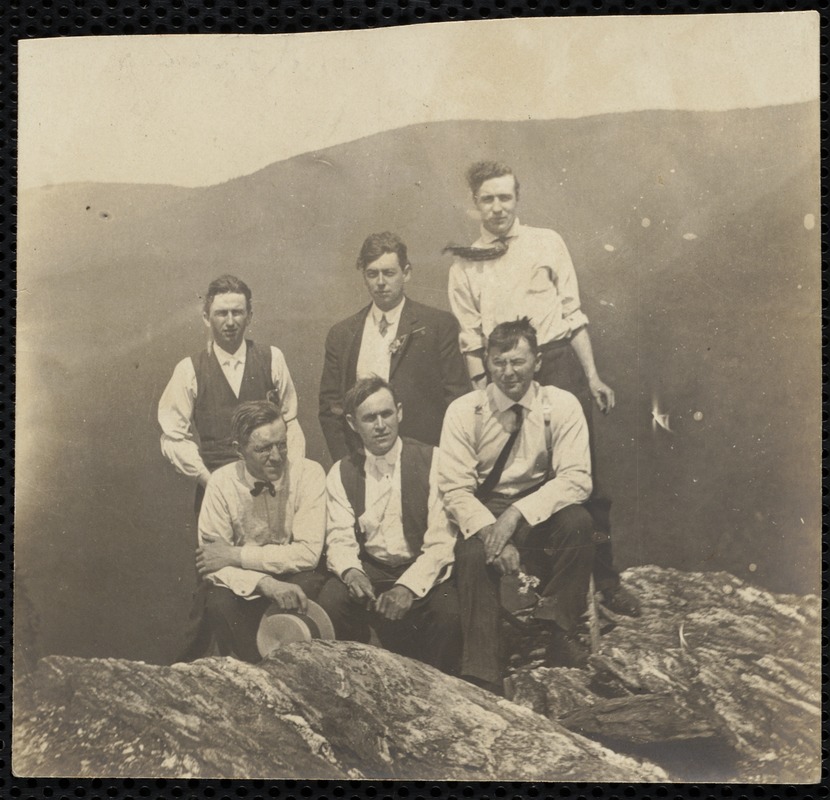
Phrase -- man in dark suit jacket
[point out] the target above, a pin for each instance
(413, 346)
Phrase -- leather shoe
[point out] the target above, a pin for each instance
(565, 650)
(621, 601)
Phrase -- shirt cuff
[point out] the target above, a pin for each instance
(342, 566)
(576, 321)
(475, 522)
(526, 508)
(415, 586)
(251, 556)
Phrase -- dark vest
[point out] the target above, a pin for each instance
(416, 460)
(216, 402)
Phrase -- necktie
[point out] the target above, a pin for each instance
(499, 248)
(383, 325)
(491, 481)
(260, 485)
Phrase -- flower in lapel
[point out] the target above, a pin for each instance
(396, 344)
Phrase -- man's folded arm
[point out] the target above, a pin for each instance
(215, 526)
(308, 530)
(571, 464)
(462, 304)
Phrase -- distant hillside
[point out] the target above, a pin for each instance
(696, 267)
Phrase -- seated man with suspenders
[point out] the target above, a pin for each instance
(515, 469)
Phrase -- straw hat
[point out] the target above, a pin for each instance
(281, 627)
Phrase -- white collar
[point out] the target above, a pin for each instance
(223, 357)
(488, 238)
(504, 403)
(389, 458)
(392, 316)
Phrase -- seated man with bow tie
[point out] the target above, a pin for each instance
(261, 530)
(515, 469)
(388, 540)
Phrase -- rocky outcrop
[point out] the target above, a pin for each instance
(711, 657)
(313, 710)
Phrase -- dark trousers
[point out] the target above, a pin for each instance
(559, 551)
(561, 368)
(234, 621)
(429, 632)
(197, 636)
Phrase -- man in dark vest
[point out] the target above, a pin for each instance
(388, 539)
(196, 408)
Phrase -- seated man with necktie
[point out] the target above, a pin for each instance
(388, 540)
(261, 530)
(515, 469)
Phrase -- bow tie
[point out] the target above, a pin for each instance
(382, 463)
(260, 485)
(498, 249)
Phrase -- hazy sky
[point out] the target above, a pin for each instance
(198, 110)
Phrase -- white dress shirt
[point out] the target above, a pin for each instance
(383, 525)
(476, 428)
(277, 535)
(534, 278)
(179, 443)
(233, 365)
(375, 356)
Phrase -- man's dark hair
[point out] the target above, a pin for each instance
(227, 284)
(363, 390)
(484, 170)
(377, 244)
(252, 415)
(506, 335)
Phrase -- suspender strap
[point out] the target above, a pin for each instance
(492, 480)
(549, 473)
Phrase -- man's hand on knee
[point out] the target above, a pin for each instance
(287, 596)
(497, 535)
(359, 586)
(507, 562)
(395, 603)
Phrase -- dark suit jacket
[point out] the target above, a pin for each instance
(427, 373)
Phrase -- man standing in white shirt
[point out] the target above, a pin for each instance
(412, 346)
(195, 409)
(388, 540)
(512, 271)
(515, 469)
(261, 530)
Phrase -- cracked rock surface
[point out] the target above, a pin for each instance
(711, 658)
(311, 711)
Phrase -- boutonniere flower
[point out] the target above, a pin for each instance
(396, 344)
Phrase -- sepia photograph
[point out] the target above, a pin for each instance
(438, 402)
